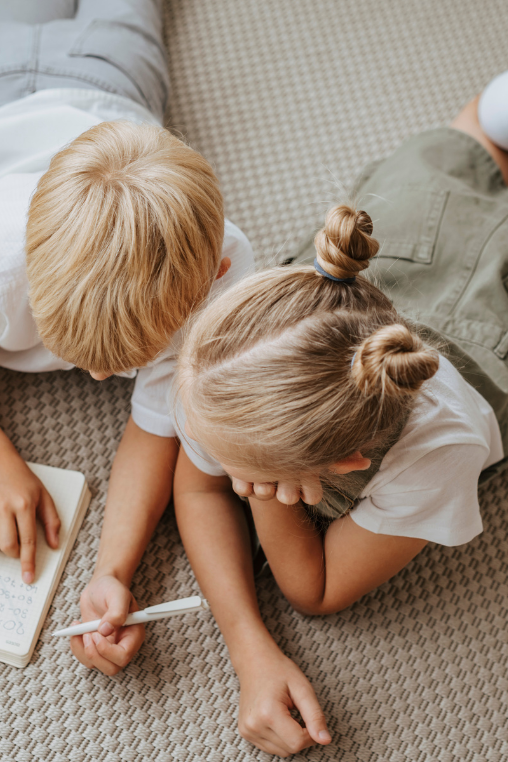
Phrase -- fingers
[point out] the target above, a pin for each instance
(244, 489)
(269, 692)
(261, 490)
(120, 654)
(117, 601)
(264, 490)
(307, 704)
(288, 493)
(106, 666)
(113, 646)
(28, 543)
(311, 490)
(289, 734)
(49, 518)
(265, 744)
(84, 648)
(78, 648)
(109, 657)
(276, 732)
(9, 535)
(18, 532)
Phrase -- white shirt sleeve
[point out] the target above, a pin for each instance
(150, 399)
(435, 499)
(193, 449)
(152, 409)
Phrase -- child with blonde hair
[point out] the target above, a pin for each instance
(112, 231)
(357, 410)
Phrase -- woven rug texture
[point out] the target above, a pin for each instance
(288, 99)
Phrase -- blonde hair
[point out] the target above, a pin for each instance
(290, 372)
(124, 239)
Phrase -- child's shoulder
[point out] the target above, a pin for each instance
(448, 413)
(426, 486)
(451, 407)
(238, 248)
(15, 193)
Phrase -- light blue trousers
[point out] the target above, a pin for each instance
(111, 45)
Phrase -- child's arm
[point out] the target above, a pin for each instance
(139, 490)
(214, 532)
(23, 497)
(322, 574)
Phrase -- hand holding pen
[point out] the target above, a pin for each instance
(113, 646)
(161, 611)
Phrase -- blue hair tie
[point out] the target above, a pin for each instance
(321, 271)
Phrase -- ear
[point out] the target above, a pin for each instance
(354, 462)
(225, 264)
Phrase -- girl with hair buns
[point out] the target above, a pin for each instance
(357, 418)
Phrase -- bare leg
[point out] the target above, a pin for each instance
(467, 121)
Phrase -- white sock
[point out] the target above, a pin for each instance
(493, 110)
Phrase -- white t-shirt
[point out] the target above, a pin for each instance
(427, 485)
(32, 130)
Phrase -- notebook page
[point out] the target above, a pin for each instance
(21, 605)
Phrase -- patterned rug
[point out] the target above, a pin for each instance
(288, 99)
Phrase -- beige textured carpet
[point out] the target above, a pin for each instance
(286, 97)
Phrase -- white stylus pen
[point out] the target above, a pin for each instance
(163, 610)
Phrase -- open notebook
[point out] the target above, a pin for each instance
(23, 608)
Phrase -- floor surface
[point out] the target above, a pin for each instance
(288, 99)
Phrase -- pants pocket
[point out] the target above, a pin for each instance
(406, 223)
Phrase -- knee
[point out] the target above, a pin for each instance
(493, 111)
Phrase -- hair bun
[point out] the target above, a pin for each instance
(345, 245)
(364, 222)
(393, 361)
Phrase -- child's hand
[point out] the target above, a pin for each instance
(22, 498)
(271, 686)
(288, 493)
(113, 646)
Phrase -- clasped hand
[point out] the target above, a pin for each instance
(271, 687)
(308, 489)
